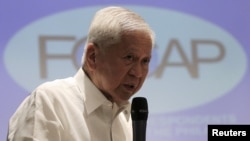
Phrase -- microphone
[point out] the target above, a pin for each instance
(139, 114)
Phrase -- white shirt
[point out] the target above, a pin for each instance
(70, 109)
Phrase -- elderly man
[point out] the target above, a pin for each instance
(94, 104)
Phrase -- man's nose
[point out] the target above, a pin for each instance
(137, 70)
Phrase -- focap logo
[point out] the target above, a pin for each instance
(192, 64)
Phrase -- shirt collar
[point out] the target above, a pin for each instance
(93, 97)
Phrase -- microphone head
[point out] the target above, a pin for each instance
(139, 108)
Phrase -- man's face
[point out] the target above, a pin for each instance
(122, 69)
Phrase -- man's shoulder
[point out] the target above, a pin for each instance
(58, 87)
(61, 83)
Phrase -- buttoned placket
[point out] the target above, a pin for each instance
(116, 111)
(112, 110)
(109, 116)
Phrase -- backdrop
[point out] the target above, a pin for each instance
(199, 73)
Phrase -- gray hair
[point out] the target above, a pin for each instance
(110, 23)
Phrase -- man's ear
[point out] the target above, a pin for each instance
(91, 56)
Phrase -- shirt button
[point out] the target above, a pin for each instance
(126, 112)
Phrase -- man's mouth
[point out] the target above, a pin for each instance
(130, 86)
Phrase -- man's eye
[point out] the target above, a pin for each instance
(146, 61)
(129, 57)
